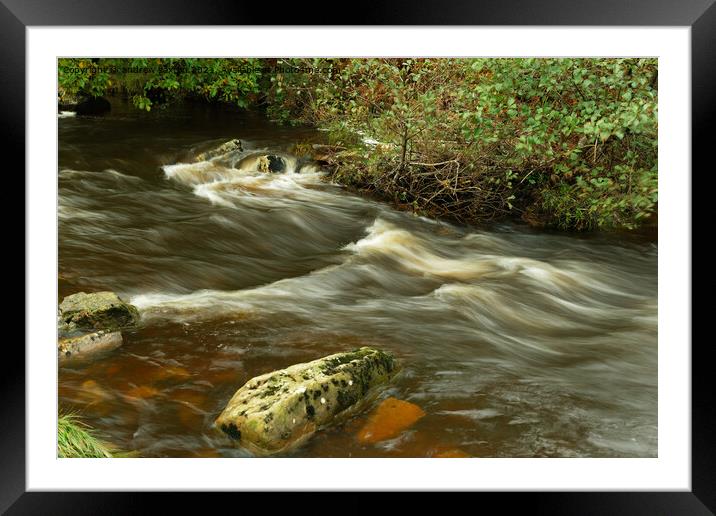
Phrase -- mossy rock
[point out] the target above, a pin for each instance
(96, 311)
(277, 411)
(224, 148)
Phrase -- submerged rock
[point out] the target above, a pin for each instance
(96, 311)
(141, 392)
(388, 420)
(224, 148)
(282, 409)
(76, 347)
(451, 453)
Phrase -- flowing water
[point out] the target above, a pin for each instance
(515, 342)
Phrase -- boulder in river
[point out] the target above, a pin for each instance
(84, 345)
(263, 163)
(96, 311)
(280, 410)
(224, 148)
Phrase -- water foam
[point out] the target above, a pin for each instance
(225, 186)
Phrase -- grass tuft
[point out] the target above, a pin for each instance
(75, 440)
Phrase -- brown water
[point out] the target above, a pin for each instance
(515, 343)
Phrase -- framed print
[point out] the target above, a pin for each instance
(276, 251)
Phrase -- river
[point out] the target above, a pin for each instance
(515, 342)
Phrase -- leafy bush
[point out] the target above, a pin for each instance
(572, 142)
(588, 127)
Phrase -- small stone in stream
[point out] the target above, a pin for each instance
(452, 453)
(85, 345)
(142, 392)
(279, 410)
(165, 372)
(206, 453)
(91, 392)
(96, 311)
(388, 420)
(224, 148)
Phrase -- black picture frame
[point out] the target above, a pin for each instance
(700, 15)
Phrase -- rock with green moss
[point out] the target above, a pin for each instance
(224, 148)
(95, 311)
(77, 347)
(279, 410)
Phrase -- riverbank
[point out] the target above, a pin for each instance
(358, 180)
(561, 143)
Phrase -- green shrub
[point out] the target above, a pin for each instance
(573, 140)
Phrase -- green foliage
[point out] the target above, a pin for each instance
(234, 81)
(79, 77)
(589, 124)
(75, 440)
(574, 140)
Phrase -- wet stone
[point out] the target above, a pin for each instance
(85, 345)
(451, 453)
(388, 420)
(95, 311)
(280, 410)
(272, 163)
(224, 148)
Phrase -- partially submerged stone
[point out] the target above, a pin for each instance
(224, 148)
(93, 393)
(452, 453)
(84, 345)
(263, 163)
(141, 392)
(389, 419)
(96, 311)
(281, 409)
